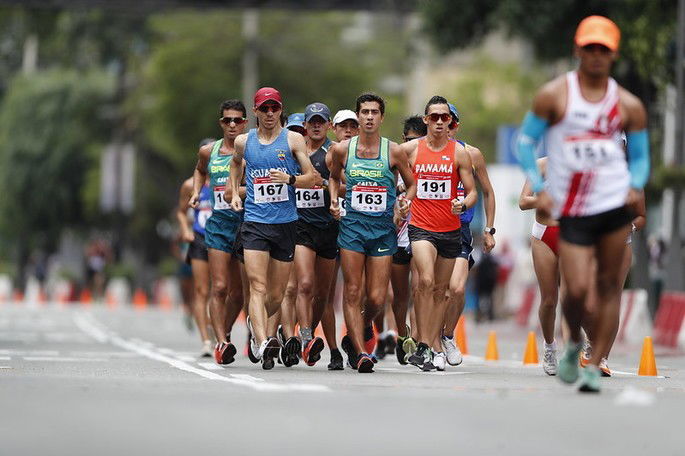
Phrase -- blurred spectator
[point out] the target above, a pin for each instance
(97, 255)
(485, 281)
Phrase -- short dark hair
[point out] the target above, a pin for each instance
(437, 99)
(370, 96)
(415, 123)
(232, 104)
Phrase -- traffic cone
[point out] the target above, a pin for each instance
(139, 299)
(491, 353)
(460, 334)
(86, 297)
(647, 362)
(530, 356)
(318, 332)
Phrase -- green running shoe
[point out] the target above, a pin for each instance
(568, 365)
(409, 346)
(589, 380)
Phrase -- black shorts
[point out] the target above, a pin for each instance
(278, 239)
(197, 250)
(466, 244)
(587, 230)
(238, 250)
(324, 241)
(448, 244)
(402, 256)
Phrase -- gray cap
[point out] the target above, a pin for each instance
(317, 109)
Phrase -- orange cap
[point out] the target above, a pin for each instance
(598, 30)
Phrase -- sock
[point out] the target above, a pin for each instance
(305, 334)
(447, 337)
(552, 346)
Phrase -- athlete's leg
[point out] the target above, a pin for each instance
(456, 295)
(201, 290)
(546, 266)
(425, 255)
(288, 311)
(278, 273)
(443, 270)
(625, 269)
(256, 268)
(352, 264)
(399, 278)
(235, 300)
(305, 261)
(328, 317)
(377, 280)
(573, 262)
(218, 267)
(325, 275)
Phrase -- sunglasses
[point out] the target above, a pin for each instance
(271, 107)
(236, 120)
(435, 117)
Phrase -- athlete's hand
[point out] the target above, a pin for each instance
(545, 204)
(405, 205)
(279, 177)
(188, 236)
(318, 181)
(194, 200)
(457, 206)
(335, 209)
(228, 193)
(488, 242)
(236, 203)
(633, 199)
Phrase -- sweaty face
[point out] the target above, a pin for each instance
(346, 129)
(268, 114)
(317, 128)
(438, 119)
(596, 59)
(370, 117)
(236, 123)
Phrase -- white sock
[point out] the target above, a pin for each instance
(552, 346)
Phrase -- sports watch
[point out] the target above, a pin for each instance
(489, 230)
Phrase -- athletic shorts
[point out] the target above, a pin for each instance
(402, 257)
(466, 244)
(276, 238)
(587, 230)
(238, 250)
(547, 234)
(220, 233)
(370, 237)
(197, 250)
(324, 241)
(448, 244)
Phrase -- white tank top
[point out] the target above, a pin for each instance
(587, 171)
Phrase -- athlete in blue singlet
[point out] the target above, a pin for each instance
(270, 156)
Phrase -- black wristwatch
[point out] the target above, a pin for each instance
(464, 208)
(292, 180)
(489, 230)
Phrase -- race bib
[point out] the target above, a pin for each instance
(433, 189)
(219, 202)
(266, 191)
(343, 206)
(589, 152)
(369, 198)
(309, 197)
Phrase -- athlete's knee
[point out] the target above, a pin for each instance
(290, 292)
(548, 302)
(352, 293)
(236, 295)
(576, 293)
(457, 291)
(201, 291)
(258, 287)
(426, 283)
(375, 299)
(305, 287)
(220, 289)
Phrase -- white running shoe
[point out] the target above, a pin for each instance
(453, 353)
(254, 347)
(207, 349)
(439, 361)
(549, 360)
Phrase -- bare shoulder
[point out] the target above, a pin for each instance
(476, 155)
(187, 185)
(339, 147)
(241, 140)
(550, 99)
(633, 110)
(206, 151)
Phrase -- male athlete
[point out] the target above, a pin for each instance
(271, 155)
(438, 164)
(592, 187)
(367, 238)
(213, 164)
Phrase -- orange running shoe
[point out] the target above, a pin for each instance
(312, 351)
(604, 368)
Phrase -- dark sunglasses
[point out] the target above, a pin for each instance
(267, 108)
(236, 120)
(435, 117)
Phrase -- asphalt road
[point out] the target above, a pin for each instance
(95, 381)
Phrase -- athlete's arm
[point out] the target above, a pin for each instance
(335, 165)
(640, 219)
(183, 199)
(236, 173)
(463, 161)
(528, 199)
(342, 185)
(308, 178)
(635, 125)
(488, 193)
(200, 173)
(399, 161)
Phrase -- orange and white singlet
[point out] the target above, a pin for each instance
(587, 171)
(437, 177)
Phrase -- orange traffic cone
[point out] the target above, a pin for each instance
(86, 297)
(318, 332)
(647, 362)
(139, 299)
(530, 356)
(460, 334)
(491, 353)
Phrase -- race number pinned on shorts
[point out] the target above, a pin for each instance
(342, 203)
(219, 202)
(369, 198)
(266, 191)
(309, 197)
(433, 188)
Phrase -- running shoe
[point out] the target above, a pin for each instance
(336, 361)
(439, 361)
(390, 341)
(586, 354)
(268, 352)
(206, 349)
(428, 361)
(568, 365)
(604, 368)
(253, 348)
(409, 346)
(224, 353)
(451, 350)
(348, 347)
(311, 352)
(369, 339)
(590, 380)
(549, 360)
(364, 364)
(380, 349)
(399, 351)
(417, 358)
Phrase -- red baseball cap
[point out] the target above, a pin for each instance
(265, 94)
(598, 30)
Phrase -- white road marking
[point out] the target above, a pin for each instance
(30, 352)
(5, 358)
(6, 367)
(64, 359)
(211, 366)
(90, 327)
(633, 374)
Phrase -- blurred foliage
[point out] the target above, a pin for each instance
(47, 122)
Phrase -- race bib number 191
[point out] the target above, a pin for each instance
(266, 191)
(369, 198)
(433, 189)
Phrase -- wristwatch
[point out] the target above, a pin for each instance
(489, 230)
(464, 208)
(292, 179)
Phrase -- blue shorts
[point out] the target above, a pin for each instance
(370, 237)
(220, 233)
(466, 244)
